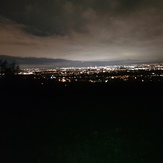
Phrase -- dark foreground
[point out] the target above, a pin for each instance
(85, 123)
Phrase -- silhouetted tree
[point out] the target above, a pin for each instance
(3, 67)
(8, 69)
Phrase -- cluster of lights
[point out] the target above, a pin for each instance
(97, 74)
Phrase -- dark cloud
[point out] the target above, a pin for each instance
(82, 29)
(60, 16)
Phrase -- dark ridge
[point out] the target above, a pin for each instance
(52, 63)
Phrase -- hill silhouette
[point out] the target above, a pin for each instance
(52, 63)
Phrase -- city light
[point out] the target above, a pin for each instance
(105, 74)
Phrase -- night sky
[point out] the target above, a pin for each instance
(82, 29)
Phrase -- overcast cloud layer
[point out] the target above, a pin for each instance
(82, 29)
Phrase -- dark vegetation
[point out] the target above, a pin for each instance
(8, 69)
(47, 121)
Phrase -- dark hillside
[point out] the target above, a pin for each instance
(43, 121)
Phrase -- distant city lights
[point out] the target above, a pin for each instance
(105, 74)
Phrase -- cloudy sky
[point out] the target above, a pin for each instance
(82, 29)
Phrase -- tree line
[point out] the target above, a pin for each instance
(8, 69)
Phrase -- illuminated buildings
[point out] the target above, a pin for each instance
(105, 74)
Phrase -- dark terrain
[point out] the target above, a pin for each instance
(44, 121)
